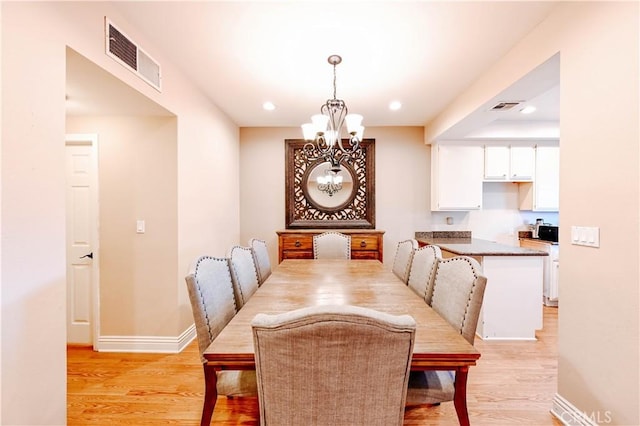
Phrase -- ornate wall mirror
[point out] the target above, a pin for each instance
(317, 197)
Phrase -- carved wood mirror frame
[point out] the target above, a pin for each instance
(304, 212)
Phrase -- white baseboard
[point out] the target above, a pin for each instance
(569, 415)
(147, 344)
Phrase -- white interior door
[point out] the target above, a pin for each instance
(82, 239)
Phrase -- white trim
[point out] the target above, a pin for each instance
(147, 344)
(507, 339)
(568, 414)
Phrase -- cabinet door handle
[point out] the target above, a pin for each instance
(297, 243)
(363, 243)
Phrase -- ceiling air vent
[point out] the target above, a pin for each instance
(505, 106)
(121, 48)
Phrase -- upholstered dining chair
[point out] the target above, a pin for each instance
(423, 270)
(332, 365)
(213, 306)
(243, 274)
(332, 245)
(458, 290)
(402, 259)
(261, 259)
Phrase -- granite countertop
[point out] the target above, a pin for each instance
(477, 247)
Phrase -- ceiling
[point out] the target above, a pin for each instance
(241, 54)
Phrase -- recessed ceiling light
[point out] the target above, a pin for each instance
(268, 106)
(528, 109)
(395, 105)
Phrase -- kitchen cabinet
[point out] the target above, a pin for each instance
(509, 163)
(550, 268)
(512, 308)
(543, 194)
(456, 177)
(298, 243)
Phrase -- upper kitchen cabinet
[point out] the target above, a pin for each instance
(543, 194)
(456, 177)
(509, 163)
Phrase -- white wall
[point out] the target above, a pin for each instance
(598, 365)
(35, 37)
(499, 219)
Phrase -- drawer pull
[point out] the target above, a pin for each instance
(363, 243)
(298, 243)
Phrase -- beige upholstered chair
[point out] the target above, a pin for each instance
(243, 274)
(332, 366)
(261, 259)
(423, 270)
(402, 259)
(458, 291)
(332, 245)
(213, 306)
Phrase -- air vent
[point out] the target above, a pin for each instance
(121, 48)
(505, 106)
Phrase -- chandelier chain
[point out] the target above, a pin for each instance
(334, 81)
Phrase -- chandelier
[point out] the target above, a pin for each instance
(323, 134)
(330, 183)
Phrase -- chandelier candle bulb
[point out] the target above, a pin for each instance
(308, 131)
(354, 123)
(320, 122)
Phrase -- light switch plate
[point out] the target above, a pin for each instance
(140, 226)
(585, 236)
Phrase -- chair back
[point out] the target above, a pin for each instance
(212, 299)
(243, 274)
(332, 365)
(261, 259)
(332, 245)
(402, 259)
(423, 270)
(458, 290)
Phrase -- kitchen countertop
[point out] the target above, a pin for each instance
(553, 243)
(477, 247)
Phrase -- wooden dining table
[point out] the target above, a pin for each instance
(296, 284)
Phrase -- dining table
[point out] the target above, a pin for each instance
(298, 283)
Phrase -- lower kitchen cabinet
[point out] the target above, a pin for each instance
(511, 309)
(551, 267)
(298, 243)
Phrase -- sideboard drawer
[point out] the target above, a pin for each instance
(298, 244)
(364, 242)
(365, 255)
(297, 254)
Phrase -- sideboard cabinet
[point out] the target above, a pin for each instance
(298, 243)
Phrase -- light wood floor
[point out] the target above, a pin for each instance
(513, 383)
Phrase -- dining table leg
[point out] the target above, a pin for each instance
(460, 396)
(210, 394)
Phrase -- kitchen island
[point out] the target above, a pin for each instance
(512, 308)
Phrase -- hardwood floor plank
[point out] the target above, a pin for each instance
(513, 384)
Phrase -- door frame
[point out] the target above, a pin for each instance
(91, 139)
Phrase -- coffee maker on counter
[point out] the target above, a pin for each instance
(535, 232)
